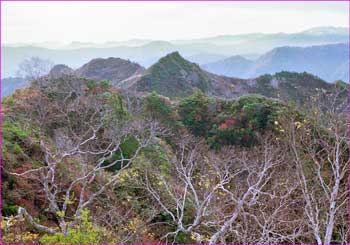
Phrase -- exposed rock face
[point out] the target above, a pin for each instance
(112, 69)
(59, 70)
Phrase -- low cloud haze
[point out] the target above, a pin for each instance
(64, 22)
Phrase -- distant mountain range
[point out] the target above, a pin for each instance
(329, 62)
(175, 77)
(11, 84)
(234, 66)
(147, 52)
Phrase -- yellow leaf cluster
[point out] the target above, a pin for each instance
(298, 124)
(134, 224)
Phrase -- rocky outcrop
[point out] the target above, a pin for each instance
(59, 70)
(112, 69)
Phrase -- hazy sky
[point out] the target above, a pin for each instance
(26, 22)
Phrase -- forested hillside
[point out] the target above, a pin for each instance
(178, 155)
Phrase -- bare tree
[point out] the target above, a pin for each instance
(34, 68)
(220, 187)
(59, 194)
(321, 155)
(76, 159)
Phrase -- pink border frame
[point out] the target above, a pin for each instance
(174, 0)
(348, 118)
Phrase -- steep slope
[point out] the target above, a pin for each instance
(235, 66)
(113, 69)
(174, 76)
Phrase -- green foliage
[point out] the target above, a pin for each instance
(183, 238)
(232, 122)
(264, 86)
(60, 214)
(157, 107)
(298, 87)
(105, 84)
(17, 149)
(127, 150)
(129, 146)
(13, 135)
(314, 81)
(116, 102)
(8, 209)
(250, 115)
(12, 130)
(195, 114)
(173, 76)
(84, 233)
(292, 86)
(340, 84)
(8, 101)
(91, 84)
(157, 156)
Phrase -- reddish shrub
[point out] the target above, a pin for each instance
(230, 122)
(223, 126)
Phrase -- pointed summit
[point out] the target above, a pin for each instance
(174, 76)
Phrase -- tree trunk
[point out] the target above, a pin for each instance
(23, 212)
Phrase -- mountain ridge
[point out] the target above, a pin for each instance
(147, 52)
(326, 61)
(175, 77)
